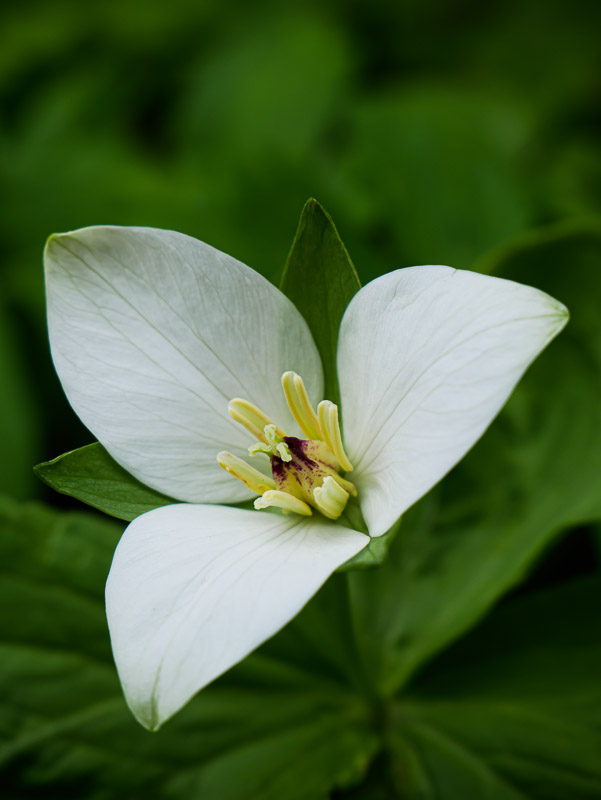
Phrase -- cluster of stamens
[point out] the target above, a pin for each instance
(305, 472)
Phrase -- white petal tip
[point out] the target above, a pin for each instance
(148, 718)
(51, 243)
(562, 313)
(58, 239)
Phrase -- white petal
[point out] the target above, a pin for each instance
(152, 333)
(194, 588)
(427, 357)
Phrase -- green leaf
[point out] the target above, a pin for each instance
(514, 710)
(270, 729)
(535, 473)
(92, 476)
(320, 279)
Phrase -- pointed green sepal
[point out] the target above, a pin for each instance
(90, 474)
(320, 279)
(374, 554)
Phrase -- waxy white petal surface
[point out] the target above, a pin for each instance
(427, 357)
(152, 333)
(194, 588)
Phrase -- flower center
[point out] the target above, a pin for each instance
(305, 472)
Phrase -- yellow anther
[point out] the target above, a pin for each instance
(330, 428)
(287, 502)
(346, 485)
(252, 418)
(330, 498)
(300, 405)
(250, 477)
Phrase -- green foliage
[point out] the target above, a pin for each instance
(534, 474)
(433, 134)
(268, 730)
(320, 279)
(92, 476)
(513, 710)
(472, 170)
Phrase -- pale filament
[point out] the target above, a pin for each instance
(256, 481)
(300, 405)
(330, 430)
(284, 500)
(251, 418)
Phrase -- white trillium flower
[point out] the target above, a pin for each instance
(175, 355)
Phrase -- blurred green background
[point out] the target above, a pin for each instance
(432, 131)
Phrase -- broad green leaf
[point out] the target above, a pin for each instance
(514, 710)
(92, 476)
(269, 729)
(534, 474)
(320, 279)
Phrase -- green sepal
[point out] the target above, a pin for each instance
(90, 474)
(375, 553)
(320, 279)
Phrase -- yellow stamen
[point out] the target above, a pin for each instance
(330, 428)
(330, 498)
(250, 477)
(346, 485)
(252, 418)
(305, 471)
(287, 502)
(300, 405)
